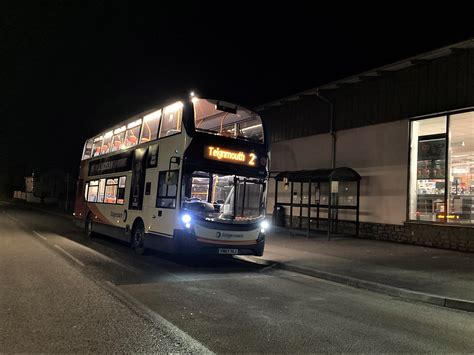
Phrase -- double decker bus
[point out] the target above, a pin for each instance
(187, 177)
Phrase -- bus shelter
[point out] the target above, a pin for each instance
(321, 200)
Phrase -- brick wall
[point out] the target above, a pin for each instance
(452, 237)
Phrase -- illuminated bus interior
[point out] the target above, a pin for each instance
(224, 198)
(160, 123)
(221, 118)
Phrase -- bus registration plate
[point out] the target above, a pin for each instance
(228, 251)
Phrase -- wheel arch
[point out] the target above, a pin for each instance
(135, 222)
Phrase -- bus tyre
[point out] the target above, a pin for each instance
(88, 227)
(259, 250)
(138, 238)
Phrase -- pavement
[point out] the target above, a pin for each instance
(441, 277)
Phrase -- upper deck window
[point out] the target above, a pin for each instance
(87, 150)
(150, 126)
(119, 139)
(133, 133)
(227, 120)
(97, 146)
(166, 121)
(171, 123)
(106, 143)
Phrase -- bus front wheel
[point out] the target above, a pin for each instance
(138, 238)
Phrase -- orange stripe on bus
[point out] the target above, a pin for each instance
(98, 214)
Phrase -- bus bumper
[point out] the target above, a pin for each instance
(187, 243)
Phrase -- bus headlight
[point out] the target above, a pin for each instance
(264, 226)
(186, 219)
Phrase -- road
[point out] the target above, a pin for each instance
(62, 292)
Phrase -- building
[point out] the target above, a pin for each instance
(407, 128)
(53, 187)
(29, 183)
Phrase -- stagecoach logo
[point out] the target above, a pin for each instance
(228, 235)
(119, 215)
(232, 156)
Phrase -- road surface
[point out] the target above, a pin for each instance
(63, 292)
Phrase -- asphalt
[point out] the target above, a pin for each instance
(227, 305)
(47, 304)
(439, 276)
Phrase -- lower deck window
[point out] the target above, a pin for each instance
(92, 191)
(167, 189)
(109, 191)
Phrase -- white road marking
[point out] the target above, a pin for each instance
(16, 220)
(69, 255)
(12, 218)
(99, 254)
(40, 235)
(195, 346)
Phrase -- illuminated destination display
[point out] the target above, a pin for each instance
(232, 156)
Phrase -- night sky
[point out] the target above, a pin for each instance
(70, 69)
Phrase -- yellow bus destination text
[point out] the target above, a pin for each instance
(216, 153)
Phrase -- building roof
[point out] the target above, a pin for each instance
(374, 73)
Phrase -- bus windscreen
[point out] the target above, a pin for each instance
(221, 118)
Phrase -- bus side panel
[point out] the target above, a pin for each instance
(161, 220)
(149, 199)
(111, 219)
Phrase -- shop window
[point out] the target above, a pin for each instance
(111, 191)
(461, 168)
(427, 169)
(171, 123)
(151, 122)
(92, 191)
(167, 189)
